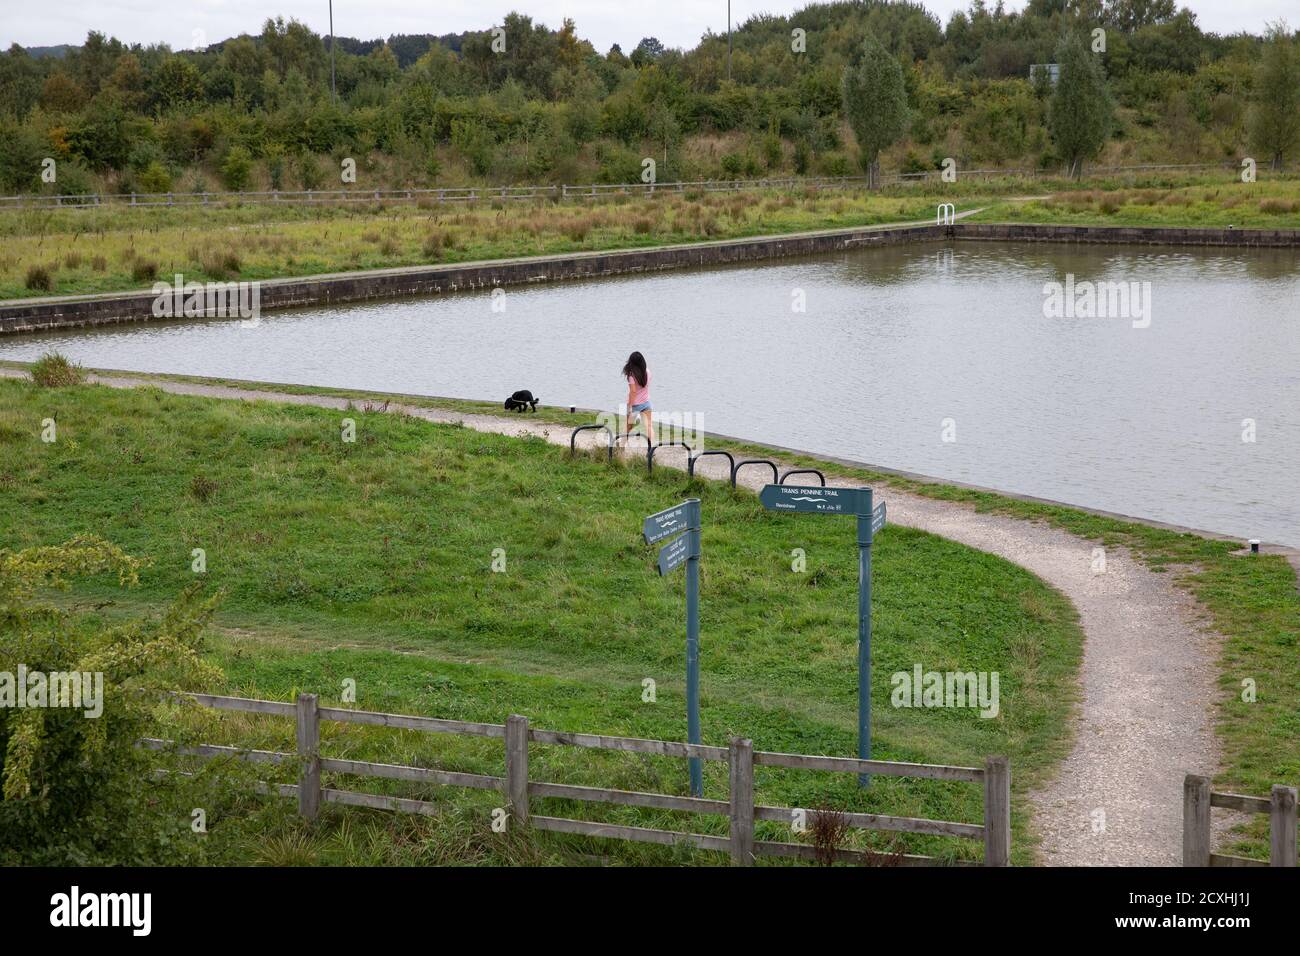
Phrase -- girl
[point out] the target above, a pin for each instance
(638, 393)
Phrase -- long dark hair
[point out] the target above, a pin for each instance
(635, 368)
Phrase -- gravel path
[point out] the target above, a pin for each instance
(1147, 677)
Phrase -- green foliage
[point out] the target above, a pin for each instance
(1081, 109)
(73, 779)
(236, 168)
(1275, 116)
(531, 112)
(875, 103)
(155, 179)
(476, 143)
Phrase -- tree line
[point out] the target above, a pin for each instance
(830, 89)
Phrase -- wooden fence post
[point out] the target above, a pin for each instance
(1282, 825)
(997, 811)
(308, 714)
(517, 766)
(740, 757)
(1196, 820)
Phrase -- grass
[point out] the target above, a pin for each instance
(372, 561)
(53, 370)
(1261, 205)
(1252, 602)
(263, 242)
(50, 251)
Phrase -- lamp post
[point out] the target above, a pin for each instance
(334, 93)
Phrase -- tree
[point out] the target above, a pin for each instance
(1275, 117)
(236, 168)
(1081, 110)
(875, 103)
(647, 51)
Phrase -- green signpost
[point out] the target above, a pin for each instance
(684, 550)
(844, 501)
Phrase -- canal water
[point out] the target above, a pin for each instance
(961, 361)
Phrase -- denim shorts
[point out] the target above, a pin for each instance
(638, 409)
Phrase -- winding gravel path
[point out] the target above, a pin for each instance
(1147, 676)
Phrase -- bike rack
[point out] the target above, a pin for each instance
(735, 470)
(650, 454)
(803, 471)
(649, 446)
(609, 445)
(690, 464)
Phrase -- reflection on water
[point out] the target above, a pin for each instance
(893, 341)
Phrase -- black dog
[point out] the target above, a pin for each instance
(521, 400)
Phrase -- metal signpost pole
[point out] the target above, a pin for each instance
(693, 644)
(844, 501)
(864, 512)
(684, 549)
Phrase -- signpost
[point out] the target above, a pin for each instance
(844, 501)
(684, 550)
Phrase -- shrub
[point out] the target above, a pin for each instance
(40, 278)
(222, 264)
(155, 179)
(72, 789)
(236, 168)
(53, 370)
(432, 248)
(144, 270)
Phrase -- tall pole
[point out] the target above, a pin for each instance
(693, 644)
(864, 630)
(334, 93)
(728, 40)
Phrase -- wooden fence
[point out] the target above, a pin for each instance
(520, 789)
(473, 194)
(1198, 798)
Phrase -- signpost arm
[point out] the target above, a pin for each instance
(864, 630)
(693, 644)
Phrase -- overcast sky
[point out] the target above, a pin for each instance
(680, 23)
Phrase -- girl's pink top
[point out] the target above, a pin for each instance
(640, 393)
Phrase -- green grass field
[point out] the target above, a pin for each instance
(372, 561)
(1253, 602)
(118, 248)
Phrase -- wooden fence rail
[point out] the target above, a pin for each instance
(1199, 798)
(520, 789)
(473, 194)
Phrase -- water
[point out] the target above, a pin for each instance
(894, 341)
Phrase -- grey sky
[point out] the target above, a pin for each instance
(675, 22)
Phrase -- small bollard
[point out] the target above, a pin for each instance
(1254, 545)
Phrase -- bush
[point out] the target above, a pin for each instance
(144, 270)
(835, 164)
(155, 179)
(40, 278)
(237, 168)
(222, 265)
(72, 781)
(53, 370)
